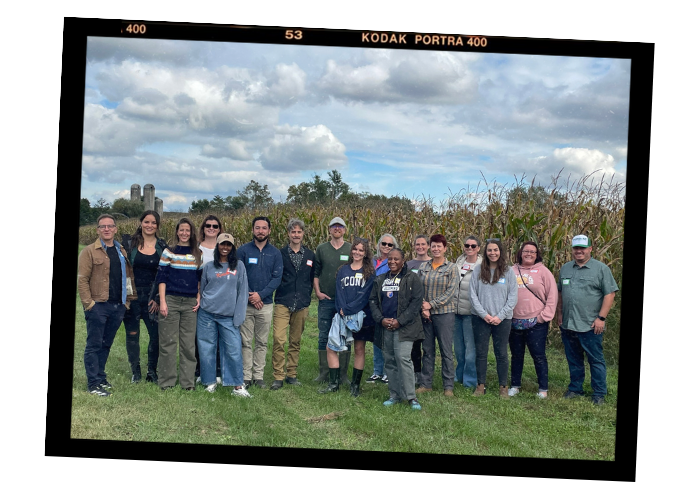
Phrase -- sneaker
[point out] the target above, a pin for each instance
(542, 394)
(99, 391)
(106, 385)
(260, 383)
(218, 380)
(292, 381)
(277, 384)
(241, 392)
(384, 380)
(198, 381)
(414, 404)
(391, 401)
(513, 391)
(598, 400)
(373, 379)
(211, 387)
(422, 389)
(571, 395)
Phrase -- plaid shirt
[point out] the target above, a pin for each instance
(440, 286)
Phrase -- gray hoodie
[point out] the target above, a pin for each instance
(498, 299)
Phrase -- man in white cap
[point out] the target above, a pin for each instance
(328, 258)
(586, 294)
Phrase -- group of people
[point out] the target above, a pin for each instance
(215, 303)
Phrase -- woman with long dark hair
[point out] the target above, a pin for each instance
(395, 303)
(178, 286)
(146, 249)
(537, 304)
(353, 286)
(224, 291)
(494, 293)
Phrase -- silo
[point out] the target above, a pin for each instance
(149, 196)
(135, 192)
(159, 206)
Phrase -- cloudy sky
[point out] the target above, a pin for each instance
(197, 119)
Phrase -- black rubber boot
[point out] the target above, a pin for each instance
(333, 384)
(323, 367)
(355, 383)
(344, 360)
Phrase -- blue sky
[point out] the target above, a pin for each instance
(197, 119)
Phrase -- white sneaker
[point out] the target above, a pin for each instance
(198, 381)
(542, 394)
(211, 387)
(218, 380)
(241, 392)
(513, 391)
(384, 380)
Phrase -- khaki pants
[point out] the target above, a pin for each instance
(178, 327)
(282, 319)
(256, 326)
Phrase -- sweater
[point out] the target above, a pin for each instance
(178, 270)
(540, 281)
(225, 291)
(352, 292)
(496, 299)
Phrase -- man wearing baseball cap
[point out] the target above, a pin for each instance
(329, 257)
(586, 294)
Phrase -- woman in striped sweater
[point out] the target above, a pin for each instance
(178, 285)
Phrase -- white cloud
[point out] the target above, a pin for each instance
(577, 161)
(297, 148)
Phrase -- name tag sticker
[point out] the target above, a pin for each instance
(252, 260)
(534, 270)
(358, 276)
(415, 270)
(466, 267)
(309, 263)
(502, 281)
(565, 282)
(189, 256)
(343, 257)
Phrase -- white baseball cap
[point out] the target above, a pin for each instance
(581, 240)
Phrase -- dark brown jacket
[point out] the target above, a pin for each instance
(93, 276)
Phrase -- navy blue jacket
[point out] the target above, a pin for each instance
(264, 269)
(296, 286)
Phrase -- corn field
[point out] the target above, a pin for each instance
(583, 206)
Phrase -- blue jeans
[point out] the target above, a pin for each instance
(536, 340)
(575, 344)
(213, 329)
(102, 322)
(378, 361)
(465, 350)
(326, 311)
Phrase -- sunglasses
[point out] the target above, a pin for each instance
(209, 226)
(385, 244)
(468, 245)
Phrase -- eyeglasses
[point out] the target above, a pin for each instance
(106, 226)
(385, 244)
(337, 226)
(529, 251)
(468, 245)
(209, 226)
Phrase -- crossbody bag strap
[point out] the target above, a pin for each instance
(524, 283)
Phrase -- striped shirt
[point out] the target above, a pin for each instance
(178, 270)
(440, 286)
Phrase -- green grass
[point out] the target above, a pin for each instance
(523, 426)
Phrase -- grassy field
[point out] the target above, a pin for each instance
(299, 417)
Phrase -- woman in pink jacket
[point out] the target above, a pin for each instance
(537, 303)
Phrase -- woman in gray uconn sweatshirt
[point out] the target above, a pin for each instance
(494, 292)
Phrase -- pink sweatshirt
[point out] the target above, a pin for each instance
(541, 281)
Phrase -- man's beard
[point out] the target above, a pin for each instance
(260, 239)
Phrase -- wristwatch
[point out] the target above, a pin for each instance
(601, 318)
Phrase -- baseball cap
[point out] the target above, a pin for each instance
(581, 240)
(337, 220)
(225, 237)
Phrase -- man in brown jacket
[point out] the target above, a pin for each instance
(106, 288)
